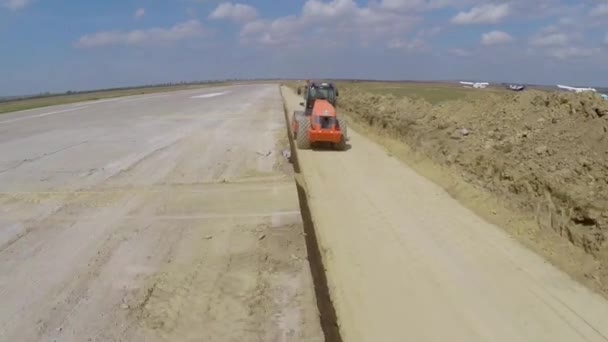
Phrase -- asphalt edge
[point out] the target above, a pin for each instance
(327, 312)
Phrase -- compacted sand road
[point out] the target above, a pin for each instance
(405, 262)
(166, 217)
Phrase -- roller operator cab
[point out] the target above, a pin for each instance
(319, 123)
(323, 91)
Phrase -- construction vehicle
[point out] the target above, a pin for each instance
(319, 123)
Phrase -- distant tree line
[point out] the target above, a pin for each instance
(147, 86)
(187, 83)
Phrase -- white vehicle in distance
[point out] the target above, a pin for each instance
(477, 85)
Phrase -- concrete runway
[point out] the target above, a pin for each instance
(167, 216)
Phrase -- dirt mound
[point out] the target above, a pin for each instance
(543, 153)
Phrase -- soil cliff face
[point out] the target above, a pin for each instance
(542, 153)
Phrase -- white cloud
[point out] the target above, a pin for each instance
(563, 42)
(15, 4)
(414, 45)
(600, 10)
(461, 52)
(140, 13)
(415, 5)
(550, 39)
(237, 12)
(180, 31)
(539, 9)
(419, 43)
(495, 38)
(332, 9)
(431, 32)
(483, 14)
(334, 22)
(281, 31)
(571, 52)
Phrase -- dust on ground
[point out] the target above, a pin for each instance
(196, 235)
(540, 154)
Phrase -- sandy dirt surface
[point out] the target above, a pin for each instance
(168, 217)
(542, 155)
(407, 262)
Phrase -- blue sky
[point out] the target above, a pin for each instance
(64, 45)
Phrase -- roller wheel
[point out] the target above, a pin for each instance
(343, 127)
(302, 138)
(297, 116)
(342, 144)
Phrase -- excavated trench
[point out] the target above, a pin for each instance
(327, 312)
